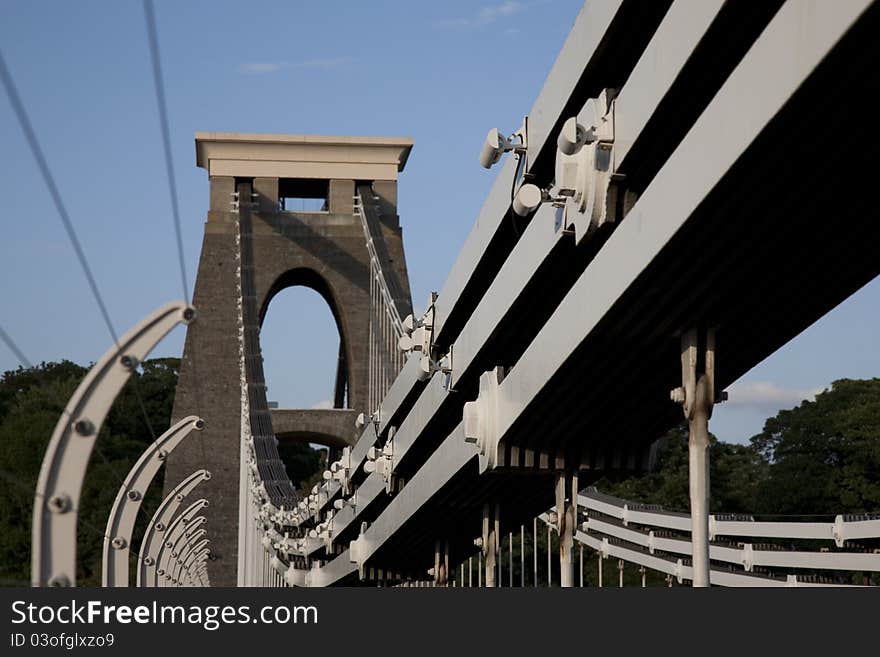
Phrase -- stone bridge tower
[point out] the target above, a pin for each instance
(324, 249)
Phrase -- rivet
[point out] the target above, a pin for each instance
(59, 504)
(133, 495)
(60, 581)
(84, 427)
(118, 543)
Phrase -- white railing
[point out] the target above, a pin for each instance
(386, 326)
(639, 534)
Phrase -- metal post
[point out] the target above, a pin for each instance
(549, 559)
(642, 571)
(522, 556)
(581, 556)
(489, 544)
(59, 486)
(566, 500)
(620, 573)
(153, 537)
(120, 523)
(697, 396)
(535, 550)
(600, 570)
(510, 548)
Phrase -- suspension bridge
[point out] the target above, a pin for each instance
(689, 192)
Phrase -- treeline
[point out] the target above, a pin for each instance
(31, 401)
(822, 457)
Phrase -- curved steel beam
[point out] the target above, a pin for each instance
(195, 569)
(190, 577)
(120, 524)
(180, 556)
(57, 497)
(171, 535)
(176, 545)
(149, 552)
(193, 550)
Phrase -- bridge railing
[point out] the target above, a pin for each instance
(659, 539)
(386, 325)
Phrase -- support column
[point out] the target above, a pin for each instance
(566, 499)
(490, 542)
(697, 396)
(535, 551)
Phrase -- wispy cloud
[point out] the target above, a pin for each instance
(319, 64)
(765, 395)
(258, 68)
(325, 404)
(484, 16)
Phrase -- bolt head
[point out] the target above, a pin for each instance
(128, 362)
(133, 495)
(84, 427)
(118, 543)
(160, 526)
(199, 424)
(189, 314)
(59, 504)
(60, 581)
(161, 455)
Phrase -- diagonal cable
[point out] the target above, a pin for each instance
(166, 139)
(43, 165)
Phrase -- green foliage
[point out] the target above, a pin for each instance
(304, 465)
(31, 402)
(824, 456)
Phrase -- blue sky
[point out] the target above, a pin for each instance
(442, 73)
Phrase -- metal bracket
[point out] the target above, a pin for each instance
(120, 524)
(57, 497)
(419, 336)
(584, 162)
(481, 418)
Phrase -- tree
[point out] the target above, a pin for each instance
(734, 474)
(31, 401)
(824, 455)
